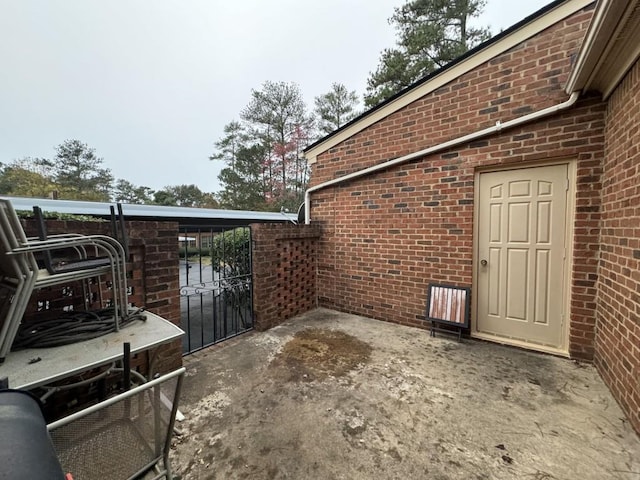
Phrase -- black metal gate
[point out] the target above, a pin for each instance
(215, 285)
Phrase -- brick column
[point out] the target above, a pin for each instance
(284, 271)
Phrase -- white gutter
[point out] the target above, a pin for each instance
(436, 148)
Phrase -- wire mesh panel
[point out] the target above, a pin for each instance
(121, 437)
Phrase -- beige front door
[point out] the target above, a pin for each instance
(521, 255)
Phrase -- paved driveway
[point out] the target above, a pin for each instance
(336, 396)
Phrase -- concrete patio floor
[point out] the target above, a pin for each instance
(337, 396)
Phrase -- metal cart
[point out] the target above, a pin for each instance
(124, 437)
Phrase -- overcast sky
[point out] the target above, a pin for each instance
(149, 84)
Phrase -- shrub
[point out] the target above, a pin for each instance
(231, 252)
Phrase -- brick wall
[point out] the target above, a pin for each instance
(153, 280)
(617, 354)
(386, 236)
(284, 271)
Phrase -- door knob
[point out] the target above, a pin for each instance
(483, 263)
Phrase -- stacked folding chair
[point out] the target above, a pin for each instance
(21, 275)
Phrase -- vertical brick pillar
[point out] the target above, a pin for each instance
(155, 257)
(284, 271)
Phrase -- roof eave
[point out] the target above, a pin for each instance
(589, 72)
(502, 42)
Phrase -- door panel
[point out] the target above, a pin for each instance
(521, 235)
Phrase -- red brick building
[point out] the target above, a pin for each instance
(513, 171)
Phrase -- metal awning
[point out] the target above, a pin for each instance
(185, 216)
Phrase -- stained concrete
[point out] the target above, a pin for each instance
(295, 402)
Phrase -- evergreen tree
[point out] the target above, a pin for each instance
(431, 33)
(335, 108)
(244, 182)
(165, 197)
(79, 173)
(184, 196)
(227, 147)
(274, 115)
(264, 169)
(127, 192)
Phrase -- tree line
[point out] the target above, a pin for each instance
(77, 173)
(264, 168)
(261, 151)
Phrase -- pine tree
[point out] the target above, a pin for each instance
(262, 153)
(127, 192)
(79, 172)
(335, 108)
(431, 33)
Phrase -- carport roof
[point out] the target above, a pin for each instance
(183, 215)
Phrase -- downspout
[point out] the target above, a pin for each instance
(436, 148)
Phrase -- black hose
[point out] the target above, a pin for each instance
(73, 328)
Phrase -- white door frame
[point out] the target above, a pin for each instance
(568, 262)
